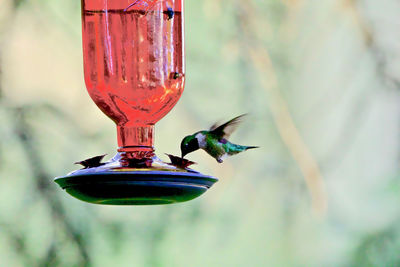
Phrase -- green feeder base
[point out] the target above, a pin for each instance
(114, 185)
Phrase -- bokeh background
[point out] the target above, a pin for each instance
(320, 80)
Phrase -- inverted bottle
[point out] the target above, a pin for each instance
(134, 64)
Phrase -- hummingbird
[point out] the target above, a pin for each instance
(214, 141)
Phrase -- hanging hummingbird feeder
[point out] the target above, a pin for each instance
(134, 68)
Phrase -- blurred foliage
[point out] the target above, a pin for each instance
(321, 82)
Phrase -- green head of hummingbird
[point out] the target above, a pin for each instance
(189, 144)
(214, 141)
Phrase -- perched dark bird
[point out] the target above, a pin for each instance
(214, 141)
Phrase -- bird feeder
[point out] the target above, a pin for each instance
(134, 66)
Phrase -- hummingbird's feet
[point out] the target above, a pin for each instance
(220, 160)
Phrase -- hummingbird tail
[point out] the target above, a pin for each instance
(251, 147)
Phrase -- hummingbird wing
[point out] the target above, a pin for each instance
(225, 130)
(214, 126)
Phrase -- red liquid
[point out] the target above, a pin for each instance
(134, 66)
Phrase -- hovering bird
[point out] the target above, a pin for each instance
(214, 141)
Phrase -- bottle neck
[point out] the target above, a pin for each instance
(135, 138)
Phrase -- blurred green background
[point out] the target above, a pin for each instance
(320, 80)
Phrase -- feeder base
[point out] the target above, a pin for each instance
(113, 185)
